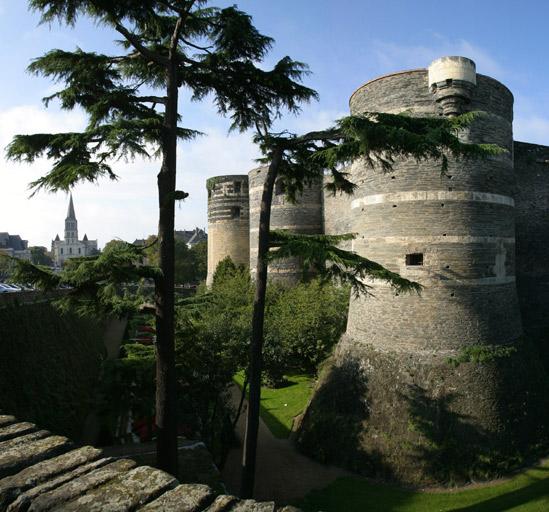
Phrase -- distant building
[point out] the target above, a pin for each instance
(14, 246)
(192, 237)
(71, 247)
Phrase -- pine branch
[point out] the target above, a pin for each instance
(143, 50)
(149, 99)
(321, 254)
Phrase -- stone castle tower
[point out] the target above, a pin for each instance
(418, 377)
(304, 217)
(228, 221)
(71, 247)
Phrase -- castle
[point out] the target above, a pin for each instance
(416, 378)
(71, 247)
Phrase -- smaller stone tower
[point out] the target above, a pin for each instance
(304, 217)
(228, 221)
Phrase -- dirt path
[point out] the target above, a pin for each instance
(283, 474)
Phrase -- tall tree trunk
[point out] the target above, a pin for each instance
(256, 345)
(166, 404)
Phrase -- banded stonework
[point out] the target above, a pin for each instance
(228, 221)
(42, 472)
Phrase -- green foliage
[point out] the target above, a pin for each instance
(378, 139)
(215, 52)
(481, 354)
(320, 252)
(191, 264)
(302, 324)
(50, 366)
(7, 267)
(97, 283)
(40, 256)
(127, 385)
(306, 321)
(199, 253)
(225, 270)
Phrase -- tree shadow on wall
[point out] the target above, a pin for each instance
(333, 424)
(450, 447)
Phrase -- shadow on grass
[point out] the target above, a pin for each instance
(274, 401)
(536, 495)
(278, 429)
(354, 495)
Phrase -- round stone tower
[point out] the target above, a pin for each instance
(424, 375)
(228, 221)
(304, 217)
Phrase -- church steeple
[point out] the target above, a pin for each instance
(70, 212)
(71, 224)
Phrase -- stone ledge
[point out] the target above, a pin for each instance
(42, 472)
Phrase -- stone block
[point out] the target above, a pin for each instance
(58, 498)
(23, 501)
(15, 430)
(124, 493)
(12, 486)
(222, 503)
(184, 498)
(16, 456)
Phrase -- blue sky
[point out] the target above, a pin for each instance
(345, 44)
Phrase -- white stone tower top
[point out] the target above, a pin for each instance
(452, 68)
(452, 80)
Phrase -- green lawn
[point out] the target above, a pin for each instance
(280, 406)
(526, 492)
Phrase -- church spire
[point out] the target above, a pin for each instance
(71, 224)
(70, 212)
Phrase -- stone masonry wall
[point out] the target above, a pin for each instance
(50, 363)
(532, 206)
(40, 471)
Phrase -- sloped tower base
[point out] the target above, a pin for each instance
(422, 420)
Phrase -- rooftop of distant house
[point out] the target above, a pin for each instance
(14, 242)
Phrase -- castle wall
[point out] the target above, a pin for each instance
(532, 207)
(390, 400)
(304, 217)
(228, 221)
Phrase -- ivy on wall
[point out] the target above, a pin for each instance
(49, 366)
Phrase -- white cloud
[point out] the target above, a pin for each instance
(393, 56)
